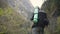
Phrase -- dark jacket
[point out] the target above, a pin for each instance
(42, 20)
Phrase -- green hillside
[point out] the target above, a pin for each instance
(11, 22)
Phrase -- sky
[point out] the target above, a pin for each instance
(37, 2)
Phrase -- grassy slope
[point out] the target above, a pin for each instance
(12, 22)
(58, 26)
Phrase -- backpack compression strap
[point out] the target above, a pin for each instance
(35, 19)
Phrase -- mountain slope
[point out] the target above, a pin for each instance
(13, 22)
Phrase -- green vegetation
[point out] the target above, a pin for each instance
(11, 22)
(58, 26)
(52, 7)
(1, 11)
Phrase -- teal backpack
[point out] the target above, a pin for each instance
(35, 18)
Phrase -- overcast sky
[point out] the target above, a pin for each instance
(37, 2)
